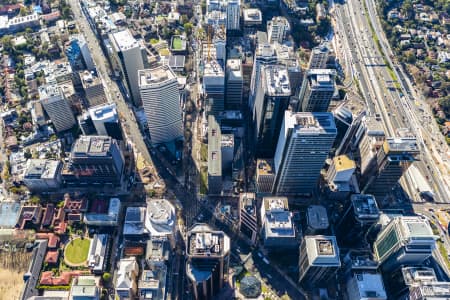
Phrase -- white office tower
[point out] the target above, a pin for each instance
(84, 48)
(103, 116)
(405, 240)
(161, 101)
(264, 55)
(371, 137)
(160, 218)
(57, 107)
(214, 86)
(317, 90)
(220, 44)
(277, 229)
(366, 286)
(303, 146)
(277, 29)
(235, 84)
(233, 15)
(129, 60)
(319, 56)
(319, 260)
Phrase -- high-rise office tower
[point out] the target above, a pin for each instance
(366, 285)
(405, 240)
(94, 161)
(277, 29)
(214, 86)
(161, 100)
(319, 56)
(214, 157)
(401, 281)
(304, 143)
(265, 175)
(369, 137)
(128, 60)
(272, 99)
(393, 159)
(316, 220)
(57, 107)
(319, 260)
(106, 120)
(207, 260)
(264, 55)
(277, 228)
(93, 88)
(340, 181)
(233, 15)
(235, 83)
(359, 215)
(317, 90)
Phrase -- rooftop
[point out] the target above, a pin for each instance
(436, 290)
(252, 14)
(321, 78)
(343, 162)
(41, 168)
(310, 123)
(134, 221)
(84, 286)
(277, 80)
(124, 40)
(265, 167)
(227, 141)
(365, 205)
(88, 79)
(248, 203)
(415, 227)
(92, 145)
(275, 203)
(160, 219)
(317, 217)
(401, 146)
(156, 75)
(49, 91)
(369, 285)
(103, 112)
(373, 126)
(157, 249)
(413, 275)
(203, 241)
(322, 250)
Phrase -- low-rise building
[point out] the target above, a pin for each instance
(42, 174)
(134, 225)
(97, 253)
(126, 285)
(84, 288)
(152, 284)
(108, 218)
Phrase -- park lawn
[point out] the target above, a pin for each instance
(177, 43)
(77, 251)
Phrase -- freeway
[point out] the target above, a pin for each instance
(386, 97)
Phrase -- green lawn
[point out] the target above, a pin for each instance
(204, 152)
(154, 41)
(76, 251)
(177, 43)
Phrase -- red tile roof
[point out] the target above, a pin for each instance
(52, 257)
(63, 279)
(52, 238)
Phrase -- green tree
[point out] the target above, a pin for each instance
(35, 199)
(106, 277)
(188, 28)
